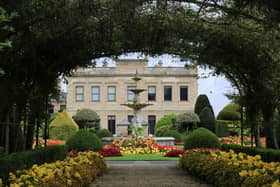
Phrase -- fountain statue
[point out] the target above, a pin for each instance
(137, 122)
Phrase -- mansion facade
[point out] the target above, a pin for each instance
(104, 89)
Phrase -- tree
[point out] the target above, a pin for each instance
(87, 118)
(201, 102)
(187, 121)
(230, 112)
(207, 120)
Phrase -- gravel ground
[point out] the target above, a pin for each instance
(146, 174)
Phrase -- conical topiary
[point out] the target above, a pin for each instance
(63, 126)
(201, 102)
(207, 119)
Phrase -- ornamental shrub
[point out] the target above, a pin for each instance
(63, 127)
(201, 102)
(104, 133)
(202, 138)
(207, 119)
(87, 118)
(173, 133)
(84, 140)
(222, 128)
(168, 121)
(230, 112)
(186, 122)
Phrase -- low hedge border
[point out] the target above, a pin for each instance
(267, 155)
(26, 159)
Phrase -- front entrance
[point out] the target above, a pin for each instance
(112, 124)
(152, 123)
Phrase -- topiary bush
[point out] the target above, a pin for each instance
(63, 127)
(222, 128)
(201, 102)
(186, 122)
(104, 133)
(87, 118)
(84, 140)
(173, 133)
(161, 131)
(207, 119)
(167, 120)
(230, 112)
(202, 138)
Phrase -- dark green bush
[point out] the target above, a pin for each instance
(202, 101)
(207, 119)
(161, 131)
(87, 118)
(26, 159)
(186, 122)
(84, 140)
(202, 138)
(268, 155)
(222, 128)
(63, 126)
(104, 133)
(173, 133)
(230, 112)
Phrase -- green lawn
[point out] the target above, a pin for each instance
(142, 157)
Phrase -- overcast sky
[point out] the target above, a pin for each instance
(213, 87)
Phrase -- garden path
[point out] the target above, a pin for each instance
(146, 174)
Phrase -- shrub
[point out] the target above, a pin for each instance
(173, 133)
(267, 155)
(201, 102)
(84, 140)
(167, 120)
(87, 118)
(161, 131)
(207, 119)
(186, 122)
(229, 112)
(76, 170)
(104, 133)
(174, 153)
(25, 160)
(201, 138)
(63, 127)
(222, 128)
(110, 151)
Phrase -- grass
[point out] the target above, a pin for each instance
(142, 157)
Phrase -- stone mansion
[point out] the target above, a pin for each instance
(104, 89)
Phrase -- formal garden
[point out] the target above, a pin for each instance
(42, 42)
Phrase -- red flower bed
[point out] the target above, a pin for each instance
(164, 147)
(109, 151)
(178, 143)
(176, 153)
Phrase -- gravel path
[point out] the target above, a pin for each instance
(146, 174)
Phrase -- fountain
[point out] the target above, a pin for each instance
(137, 122)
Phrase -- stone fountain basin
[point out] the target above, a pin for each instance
(160, 140)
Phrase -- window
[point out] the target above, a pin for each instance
(130, 118)
(95, 93)
(111, 93)
(183, 93)
(151, 93)
(152, 123)
(167, 93)
(130, 94)
(112, 124)
(79, 93)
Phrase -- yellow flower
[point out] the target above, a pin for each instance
(243, 173)
(77, 175)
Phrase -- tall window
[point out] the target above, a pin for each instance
(151, 93)
(95, 93)
(79, 93)
(130, 118)
(130, 94)
(152, 123)
(112, 124)
(183, 93)
(111, 93)
(167, 93)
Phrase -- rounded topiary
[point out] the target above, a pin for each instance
(87, 118)
(167, 120)
(207, 119)
(104, 133)
(186, 121)
(230, 112)
(63, 127)
(84, 140)
(202, 138)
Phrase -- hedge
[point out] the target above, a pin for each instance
(267, 155)
(222, 128)
(26, 159)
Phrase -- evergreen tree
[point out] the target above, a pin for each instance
(207, 119)
(201, 102)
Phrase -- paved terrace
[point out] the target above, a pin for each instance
(146, 174)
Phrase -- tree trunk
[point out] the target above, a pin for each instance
(270, 133)
(7, 133)
(30, 133)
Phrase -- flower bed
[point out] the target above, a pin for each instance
(237, 140)
(110, 151)
(76, 170)
(49, 142)
(231, 169)
(177, 153)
